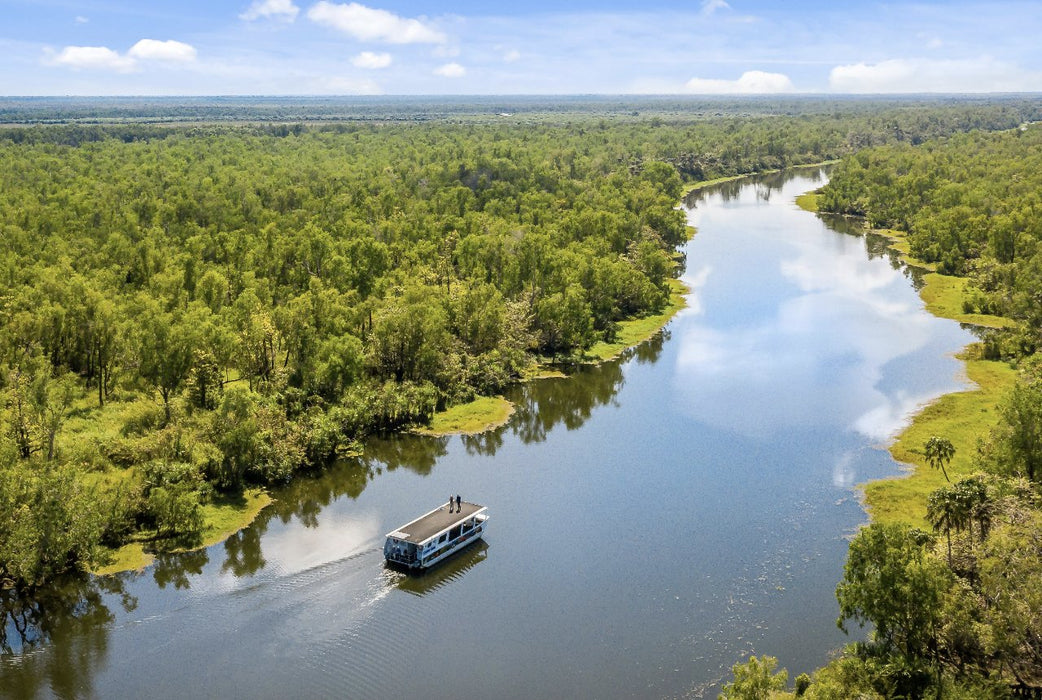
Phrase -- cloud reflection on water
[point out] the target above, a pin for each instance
(820, 357)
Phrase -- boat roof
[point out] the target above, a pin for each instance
(434, 523)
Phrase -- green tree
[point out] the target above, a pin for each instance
(890, 582)
(565, 322)
(755, 680)
(52, 399)
(1020, 433)
(166, 345)
(49, 522)
(939, 452)
(945, 511)
(408, 339)
(1010, 569)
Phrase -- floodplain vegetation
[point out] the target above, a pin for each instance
(947, 575)
(191, 314)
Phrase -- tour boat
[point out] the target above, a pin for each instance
(434, 536)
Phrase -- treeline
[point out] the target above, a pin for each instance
(955, 612)
(189, 311)
(512, 109)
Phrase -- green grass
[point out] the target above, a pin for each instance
(129, 557)
(221, 519)
(477, 416)
(224, 517)
(640, 329)
(808, 201)
(944, 296)
(961, 417)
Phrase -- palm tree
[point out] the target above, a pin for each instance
(944, 511)
(974, 502)
(939, 452)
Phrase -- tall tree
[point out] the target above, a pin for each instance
(890, 582)
(939, 452)
(945, 512)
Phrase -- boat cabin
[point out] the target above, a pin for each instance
(435, 536)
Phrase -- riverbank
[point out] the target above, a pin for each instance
(222, 519)
(961, 417)
(488, 413)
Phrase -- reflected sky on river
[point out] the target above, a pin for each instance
(816, 280)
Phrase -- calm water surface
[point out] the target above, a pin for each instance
(653, 520)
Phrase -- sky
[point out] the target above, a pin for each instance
(407, 47)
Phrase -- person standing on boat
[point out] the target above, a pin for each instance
(450, 502)
(459, 507)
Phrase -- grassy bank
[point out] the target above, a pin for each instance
(222, 519)
(961, 417)
(481, 414)
(638, 330)
(943, 294)
(808, 201)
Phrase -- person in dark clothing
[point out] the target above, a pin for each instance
(450, 503)
(458, 504)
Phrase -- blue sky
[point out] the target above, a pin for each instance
(324, 47)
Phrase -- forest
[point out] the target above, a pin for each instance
(956, 610)
(188, 311)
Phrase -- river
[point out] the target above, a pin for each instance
(653, 520)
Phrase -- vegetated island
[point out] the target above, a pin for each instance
(193, 314)
(947, 572)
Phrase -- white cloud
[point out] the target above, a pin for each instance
(752, 82)
(276, 9)
(80, 19)
(511, 56)
(154, 50)
(368, 24)
(91, 57)
(368, 59)
(104, 58)
(711, 6)
(451, 70)
(984, 74)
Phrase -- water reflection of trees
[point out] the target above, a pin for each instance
(544, 404)
(72, 620)
(876, 245)
(174, 569)
(417, 453)
(766, 184)
(243, 550)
